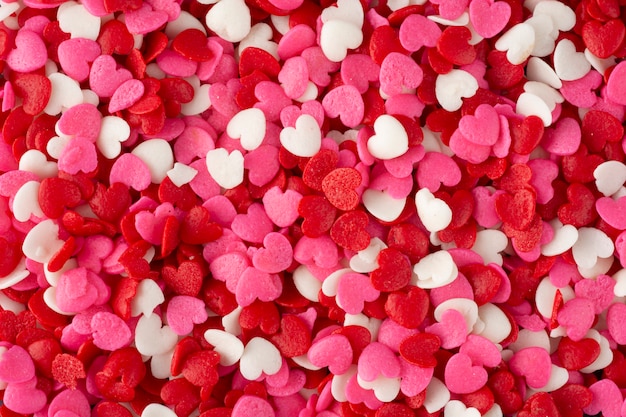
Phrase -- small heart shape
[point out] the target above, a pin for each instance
(462, 377)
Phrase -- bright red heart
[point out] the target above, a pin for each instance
(408, 309)
(349, 232)
(393, 272)
(419, 349)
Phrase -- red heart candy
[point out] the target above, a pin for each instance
(579, 167)
(349, 232)
(603, 39)
(110, 204)
(192, 44)
(575, 355)
(55, 194)
(184, 280)
(393, 272)
(515, 178)
(293, 338)
(517, 209)
(197, 228)
(263, 315)
(482, 399)
(540, 404)
(453, 45)
(580, 210)
(420, 348)
(111, 409)
(525, 134)
(68, 369)
(410, 240)
(318, 167)
(217, 297)
(394, 410)
(339, 188)
(501, 74)
(44, 352)
(182, 395)
(200, 368)
(598, 128)
(114, 38)
(502, 384)
(571, 399)
(121, 374)
(253, 58)
(359, 338)
(11, 255)
(384, 40)
(408, 309)
(493, 168)
(35, 89)
(318, 214)
(484, 281)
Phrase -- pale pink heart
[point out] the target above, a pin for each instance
(564, 138)
(396, 187)
(598, 290)
(467, 150)
(75, 56)
(416, 31)
(436, 169)
(459, 288)
(110, 332)
(81, 121)
(130, 170)
(183, 312)
(378, 359)
(357, 394)
(615, 319)
(462, 376)
(544, 172)
(358, 70)
(151, 226)
(29, 54)
(275, 256)
(333, 351)
(353, 291)
(253, 226)
(346, 103)
(16, 365)
(534, 364)
(481, 351)
(483, 127)
(489, 17)
(254, 284)
(616, 85)
(399, 72)
(282, 207)
(294, 77)
(262, 164)
(415, 379)
(403, 165)
(290, 114)
(70, 401)
(105, 77)
(272, 99)
(127, 94)
(485, 206)
(321, 251)
(607, 399)
(145, 19)
(452, 330)
(612, 211)
(451, 9)
(228, 268)
(319, 66)
(25, 397)
(581, 92)
(296, 381)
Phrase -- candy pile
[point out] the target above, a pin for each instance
(299, 208)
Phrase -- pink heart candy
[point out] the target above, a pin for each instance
(612, 211)
(75, 56)
(397, 188)
(377, 359)
(105, 77)
(481, 351)
(16, 365)
(616, 85)
(193, 142)
(416, 31)
(408, 105)
(130, 170)
(70, 401)
(228, 268)
(30, 52)
(151, 226)
(459, 288)
(451, 9)
(296, 40)
(319, 65)
(321, 251)
(415, 379)
(174, 64)
(577, 316)
(145, 19)
(287, 4)
(79, 155)
(294, 77)
(599, 291)
(333, 351)
(489, 17)
(399, 72)
(83, 121)
(272, 99)
(183, 312)
(452, 329)
(346, 103)
(468, 150)
(262, 164)
(296, 381)
(483, 127)
(356, 394)
(110, 332)
(564, 138)
(127, 94)
(358, 70)
(171, 7)
(462, 376)
(534, 364)
(544, 172)
(251, 405)
(353, 291)
(77, 290)
(275, 256)
(24, 397)
(485, 206)
(254, 225)
(403, 165)
(606, 400)
(282, 208)
(436, 169)
(581, 92)
(254, 284)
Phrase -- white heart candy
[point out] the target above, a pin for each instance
(385, 389)
(17, 275)
(226, 170)
(50, 298)
(349, 11)
(184, 21)
(77, 21)
(331, 282)
(259, 356)
(305, 139)
(545, 295)
(366, 260)
(42, 241)
(230, 321)
(518, 42)
(549, 95)
(610, 177)
(452, 87)
(157, 410)
(497, 324)
(200, 102)
(390, 140)
(260, 36)
(147, 298)
(468, 309)
(489, 243)
(529, 104)
(539, 70)
(152, 339)
(383, 206)
(565, 236)
(433, 212)
(606, 355)
(591, 244)
(546, 34)
(229, 346)
(437, 395)
(220, 20)
(601, 267)
(563, 17)
(337, 36)
(599, 64)
(158, 156)
(113, 131)
(8, 9)
(620, 287)
(65, 93)
(434, 270)
(55, 146)
(456, 408)
(569, 64)
(307, 285)
(249, 127)
(26, 202)
(36, 162)
(161, 365)
(181, 174)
